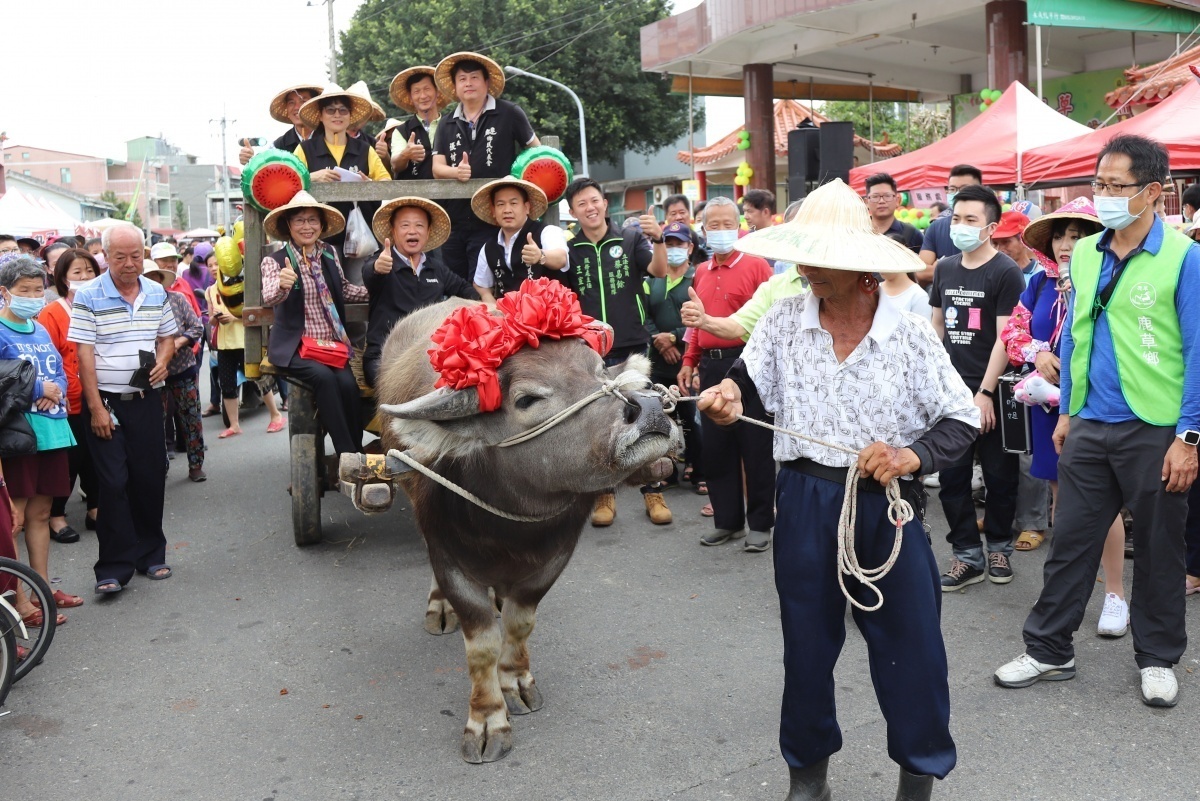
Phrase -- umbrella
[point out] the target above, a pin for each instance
(201, 233)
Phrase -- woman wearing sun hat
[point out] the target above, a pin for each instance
(480, 138)
(403, 277)
(305, 283)
(331, 115)
(839, 365)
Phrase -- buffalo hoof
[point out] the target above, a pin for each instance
(526, 700)
(490, 746)
(440, 618)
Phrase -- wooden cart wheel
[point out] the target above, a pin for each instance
(307, 461)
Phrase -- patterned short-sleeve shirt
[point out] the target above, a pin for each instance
(892, 388)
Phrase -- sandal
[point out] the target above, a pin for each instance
(1191, 586)
(108, 587)
(152, 572)
(277, 425)
(210, 411)
(36, 619)
(687, 473)
(706, 510)
(61, 600)
(229, 432)
(701, 487)
(1030, 540)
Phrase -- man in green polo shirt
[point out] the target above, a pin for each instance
(740, 324)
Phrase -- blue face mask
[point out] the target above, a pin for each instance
(722, 241)
(676, 256)
(1114, 211)
(966, 237)
(950, 199)
(26, 307)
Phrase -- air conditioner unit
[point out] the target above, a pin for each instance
(661, 193)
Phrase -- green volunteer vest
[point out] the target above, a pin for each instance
(1145, 329)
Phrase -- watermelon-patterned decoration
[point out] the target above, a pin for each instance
(272, 178)
(229, 257)
(547, 167)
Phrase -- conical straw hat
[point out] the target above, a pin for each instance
(335, 223)
(361, 108)
(361, 89)
(832, 230)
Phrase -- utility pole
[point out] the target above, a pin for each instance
(332, 43)
(228, 215)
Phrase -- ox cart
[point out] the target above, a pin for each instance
(309, 469)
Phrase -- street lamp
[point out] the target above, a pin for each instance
(582, 126)
(332, 46)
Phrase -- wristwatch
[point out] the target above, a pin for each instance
(1189, 437)
(658, 240)
(987, 392)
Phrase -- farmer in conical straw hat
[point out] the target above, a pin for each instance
(872, 387)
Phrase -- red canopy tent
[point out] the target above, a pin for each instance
(993, 142)
(1173, 122)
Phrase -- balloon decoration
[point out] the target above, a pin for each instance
(545, 167)
(743, 140)
(988, 97)
(744, 174)
(232, 279)
(272, 178)
(917, 218)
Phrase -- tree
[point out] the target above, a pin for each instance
(592, 47)
(181, 215)
(912, 126)
(122, 207)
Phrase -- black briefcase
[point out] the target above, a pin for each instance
(1014, 416)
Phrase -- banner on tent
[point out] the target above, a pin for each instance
(1113, 15)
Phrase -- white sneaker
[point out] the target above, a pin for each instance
(976, 478)
(1025, 670)
(932, 481)
(1159, 686)
(1114, 620)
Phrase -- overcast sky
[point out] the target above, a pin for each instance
(86, 75)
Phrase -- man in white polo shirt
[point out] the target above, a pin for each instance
(114, 320)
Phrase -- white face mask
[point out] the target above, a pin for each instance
(966, 237)
(722, 241)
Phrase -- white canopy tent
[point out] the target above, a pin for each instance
(24, 214)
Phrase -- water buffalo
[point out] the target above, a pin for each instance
(555, 476)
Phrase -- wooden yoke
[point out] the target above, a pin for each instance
(258, 319)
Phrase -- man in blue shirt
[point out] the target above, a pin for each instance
(937, 244)
(1129, 424)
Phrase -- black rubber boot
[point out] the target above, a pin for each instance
(914, 788)
(808, 784)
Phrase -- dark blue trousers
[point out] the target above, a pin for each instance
(904, 637)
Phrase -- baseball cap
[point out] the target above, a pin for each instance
(163, 250)
(1012, 223)
(678, 230)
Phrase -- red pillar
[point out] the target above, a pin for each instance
(758, 87)
(702, 183)
(1007, 43)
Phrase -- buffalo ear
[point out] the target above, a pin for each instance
(440, 405)
(636, 362)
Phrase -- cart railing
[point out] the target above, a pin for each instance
(258, 319)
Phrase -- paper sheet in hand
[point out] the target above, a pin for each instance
(348, 175)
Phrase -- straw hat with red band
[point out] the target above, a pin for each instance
(279, 102)
(398, 91)
(439, 220)
(334, 222)
(1039, 233)
(361, 108)
(481, 201)
(444, 74)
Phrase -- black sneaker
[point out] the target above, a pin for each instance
(960, 575)
(999, 570)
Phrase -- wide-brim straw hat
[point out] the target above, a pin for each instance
(361, 89)
(481, 201)
(335, 223)
(445, 80)
(832, 230)
(398, 90)
(361, 108)
(389, 126)
(1039, 233)
(279, 102)
(151, 270)
(439, 220)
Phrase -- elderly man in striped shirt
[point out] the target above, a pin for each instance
(116, 318)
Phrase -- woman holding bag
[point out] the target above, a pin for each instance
(305, 283)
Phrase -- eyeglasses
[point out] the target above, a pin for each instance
(336, 109)
(1113, 189)
(880, 198)
(306, 222)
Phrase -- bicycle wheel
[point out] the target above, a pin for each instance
(8, 653)
(13, 574)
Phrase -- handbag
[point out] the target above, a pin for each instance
(329, 352)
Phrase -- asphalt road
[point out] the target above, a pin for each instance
(263, 671)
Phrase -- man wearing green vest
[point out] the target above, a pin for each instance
(1129, 424)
